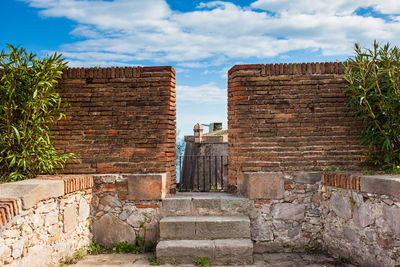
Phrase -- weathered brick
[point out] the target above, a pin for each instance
(293, 117)
(118, 116)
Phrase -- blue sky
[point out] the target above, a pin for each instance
(202, 40)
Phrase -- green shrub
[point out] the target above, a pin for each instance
(374, 90)
(29, 107)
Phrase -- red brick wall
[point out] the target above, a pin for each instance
(120, 120)
(289, 117)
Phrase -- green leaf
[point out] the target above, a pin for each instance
(17, 135)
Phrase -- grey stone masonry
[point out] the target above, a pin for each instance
(203, 204)
(215, 226)
(204, 227)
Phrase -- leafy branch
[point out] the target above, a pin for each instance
(29, 106)
(374, 90)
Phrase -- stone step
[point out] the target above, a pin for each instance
(194, 204)
(204, 227)
(219, 251)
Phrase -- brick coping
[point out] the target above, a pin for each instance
(112, 72)
(292, 68)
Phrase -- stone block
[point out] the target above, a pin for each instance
(208, 206)
(391, 215)
(109, 228)
(178, 228)
(177, 206)
(362, 214)
(84, 209)
(70, 218)
(340, 205)
(221, 227)
(17, 248)
(263, 185)
(184, 251)
(235, 206)
(261, 230)
(381, 184)
(288, 211)
(32, 191)
(147, 186)
(307, 177)
(237, 251)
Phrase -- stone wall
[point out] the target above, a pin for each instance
(344, 214)
(120, 120)
(363, 225)
(289, 117)
(291, 222)
(116, 216)
(47, 220)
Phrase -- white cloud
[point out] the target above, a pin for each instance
(203, 94)
(218, 32)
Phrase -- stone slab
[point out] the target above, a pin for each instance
(237, 251)
(220, 227)
(204, 227)
(211, 206)
(260, 260)
(184, 251)
(179, 227)
(177, 206)
(381, 184)
(307, 177)
(263, 185)
(32, 191)
(146, 186)
(204, 204)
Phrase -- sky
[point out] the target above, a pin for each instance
(202, 40)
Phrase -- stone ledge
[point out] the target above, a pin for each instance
(374, 184)
(381, 184)
(72, 183)
(32, 191)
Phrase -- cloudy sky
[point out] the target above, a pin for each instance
(202, 40)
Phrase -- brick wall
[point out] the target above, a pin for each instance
(289, 117)
(120, 120)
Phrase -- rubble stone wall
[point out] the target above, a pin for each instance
(351, 216)
(363, 225)
(51, 229)
(289, 224)
(116, 218)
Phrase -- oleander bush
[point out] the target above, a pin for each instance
(29, 106)
(374, 90)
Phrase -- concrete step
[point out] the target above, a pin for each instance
(204, 227)
(220, 251)
(194, 204)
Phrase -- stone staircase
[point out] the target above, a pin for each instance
(205, 225)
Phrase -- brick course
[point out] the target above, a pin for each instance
(120, 120)
(290, 117)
